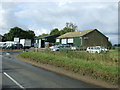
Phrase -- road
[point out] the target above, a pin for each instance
(18, 74)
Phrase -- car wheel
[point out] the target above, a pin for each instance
(96, 52)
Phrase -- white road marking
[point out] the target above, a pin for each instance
(13, 80)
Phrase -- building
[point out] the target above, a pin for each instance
(46, 41)
(1, 37)
(83, 39)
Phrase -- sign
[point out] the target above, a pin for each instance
(16, 39)
(70, 40)
(64, 41)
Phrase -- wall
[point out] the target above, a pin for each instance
(77, 41)
(95, 38)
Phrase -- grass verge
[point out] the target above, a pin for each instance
(101, 66)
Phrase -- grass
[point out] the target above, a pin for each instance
(103, 66)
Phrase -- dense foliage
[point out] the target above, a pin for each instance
(42, 35)
(20, 33)
(70, 27)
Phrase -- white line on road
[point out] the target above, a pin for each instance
(13, 80)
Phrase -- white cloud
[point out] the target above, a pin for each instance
(8, 17)
(44, 16)
(60, 0)
(38, 30)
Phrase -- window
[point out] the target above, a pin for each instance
(70, 40)
(57, 40)
(64, 41)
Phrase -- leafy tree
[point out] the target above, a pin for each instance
(62, 32)
(55, 32)
(70, 27)
(30, 35)
(7, 37)
(42, 35)
(14, 32)
(18, 32)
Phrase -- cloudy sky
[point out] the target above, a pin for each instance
(43, 16)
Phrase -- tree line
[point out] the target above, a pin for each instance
(20, 33)
(70, 27)
(29, 34)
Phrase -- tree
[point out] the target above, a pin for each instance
(42, 35)
(70, 27)
(18, 32)
(55, 32)
(30, 35)
(62, 32)
(14, 32)
(7, 37)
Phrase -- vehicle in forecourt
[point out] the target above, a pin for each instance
(60, 47)
(96, 49)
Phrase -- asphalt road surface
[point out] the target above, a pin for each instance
(18, 74)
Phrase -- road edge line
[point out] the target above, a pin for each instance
(13, 80)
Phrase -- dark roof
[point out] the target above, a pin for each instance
(76, 34)
(47, 36)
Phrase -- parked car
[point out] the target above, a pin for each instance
(18, 46)
(9, 46)
(96, 49)
(103, 49)
(55, 48)
(52, 47)
(60, 47)
(74, 48)
(64, 46)
(4, 46)
(12, 46)
(1, 45)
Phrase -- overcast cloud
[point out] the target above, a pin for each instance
(44, 16)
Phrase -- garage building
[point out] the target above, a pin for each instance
(83, 39)
(46, 41)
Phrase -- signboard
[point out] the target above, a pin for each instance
(70, 40)
(64, 41)
(57, 40)
(16, 39)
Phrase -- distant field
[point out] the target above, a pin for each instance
(103, 66)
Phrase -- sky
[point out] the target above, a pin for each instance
(43, 16)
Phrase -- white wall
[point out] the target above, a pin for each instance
(39, 44)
